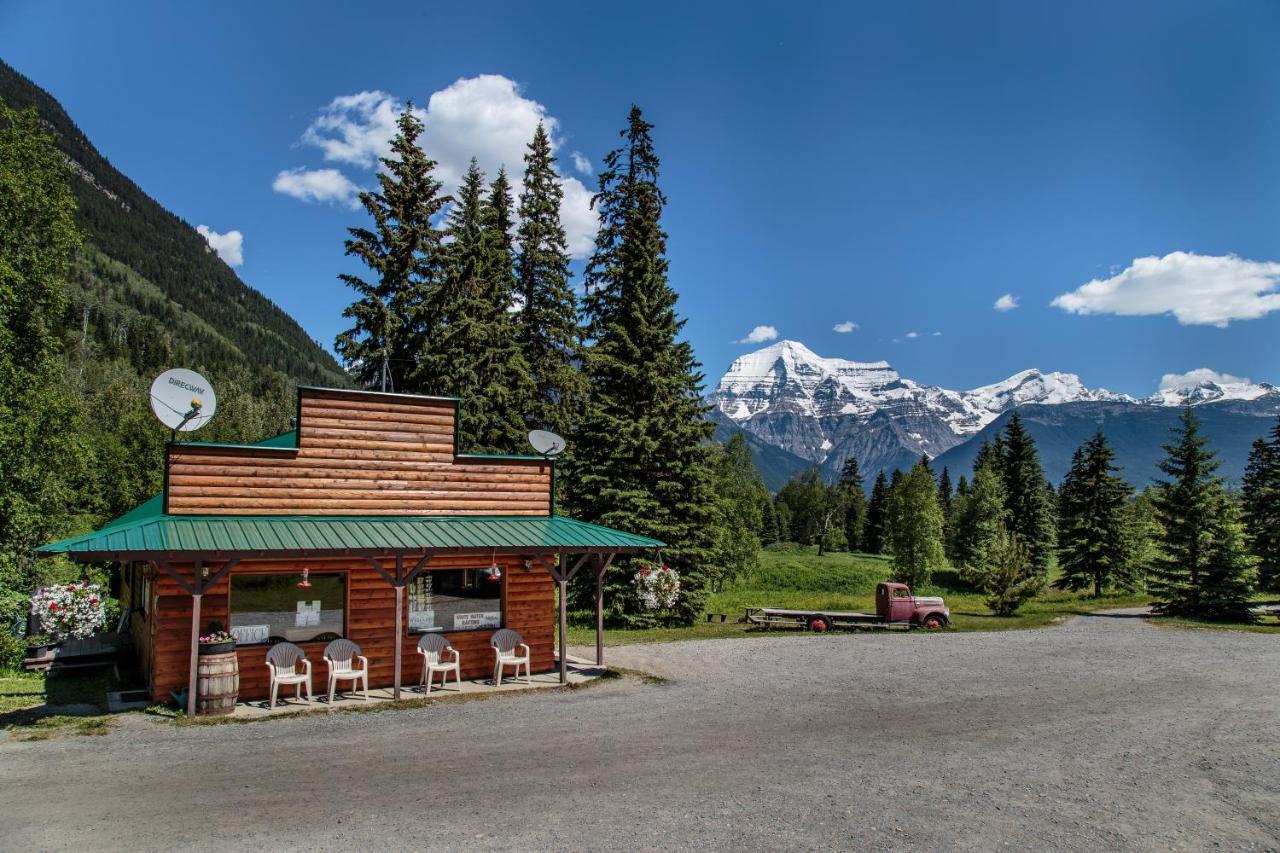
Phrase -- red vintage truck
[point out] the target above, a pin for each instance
(895, 607)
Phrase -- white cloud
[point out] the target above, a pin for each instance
(1197, 289)
(759, 335)
(1006, 303)
(229, 246)
(936, 335)
(1192, 378)
(844, 328)
(913, 334)
(485, 117)
(582, 163)
(321, 185)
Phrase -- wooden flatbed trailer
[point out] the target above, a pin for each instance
(816, 620)
(896, 607)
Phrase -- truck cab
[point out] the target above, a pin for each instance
(895, 603)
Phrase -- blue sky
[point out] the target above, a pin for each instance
(900, 167)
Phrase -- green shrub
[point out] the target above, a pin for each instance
(12, 651)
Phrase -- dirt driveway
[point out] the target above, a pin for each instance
(1104, 733)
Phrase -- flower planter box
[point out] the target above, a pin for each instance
(217, 648)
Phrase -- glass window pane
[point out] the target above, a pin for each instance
(271, 608)
(455, 600)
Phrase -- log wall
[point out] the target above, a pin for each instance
(528, 603)
(357, 454)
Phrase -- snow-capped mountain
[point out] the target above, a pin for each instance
(827, 409)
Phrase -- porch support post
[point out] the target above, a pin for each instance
(195, 647)
(602, 565)
(562, 581)
(399, 620)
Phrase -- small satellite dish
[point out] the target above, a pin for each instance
(547, 443)
(182, 399)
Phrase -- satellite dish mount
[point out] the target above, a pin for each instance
(549, 446)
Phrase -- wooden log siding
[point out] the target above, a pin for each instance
(528, 600)
(357, 454)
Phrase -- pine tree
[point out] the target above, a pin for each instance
(548, 324)
(982, 516)
(877, 511)
(1093, 547)
(740, 493)
(854, 500)
(1028, 505)
(393, 314)
(1010, 579)
(1187, 504)
(914, 527)
(946, 498)
(1260, 497)
(639, 464)
(768, 522)
(1228, 575)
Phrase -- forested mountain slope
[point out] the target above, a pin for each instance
(148, 287)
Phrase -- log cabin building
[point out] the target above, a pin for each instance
(364, 523)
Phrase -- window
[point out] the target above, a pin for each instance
(271, 608)
(139, 589)
(455, 600)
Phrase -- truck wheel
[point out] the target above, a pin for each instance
(819, 624)
(934, 622)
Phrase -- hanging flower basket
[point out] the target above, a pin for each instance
(657, 586)
(70, 611)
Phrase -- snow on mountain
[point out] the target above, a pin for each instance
(827, 409)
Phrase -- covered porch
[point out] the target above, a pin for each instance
(374, 580)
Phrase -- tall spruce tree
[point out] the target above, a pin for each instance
(1093, 534)
(740, 494)
(474, 355)
(853, 498)
(914, 527)
(1228, 575)
(1189, 504)
(1029, 507)
(548, 326)
(638, 463)
(946, 499)
(393, 312)
(981, 516)
(1260, 499)
(877, 511)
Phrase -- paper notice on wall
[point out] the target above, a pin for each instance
(472, 621)
(308, 615)
(422, 620)
(249, 634)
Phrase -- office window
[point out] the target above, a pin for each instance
(272, 608)
(455, 600)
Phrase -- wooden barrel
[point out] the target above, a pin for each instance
(217, 684)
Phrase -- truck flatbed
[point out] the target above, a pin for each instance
(780, 616)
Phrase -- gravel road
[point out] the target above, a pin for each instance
(1103, 733)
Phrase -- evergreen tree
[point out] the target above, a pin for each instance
(877, 511)
(549, 333)
(1028, 505)
(769, 533)
(1093, 546)
(1188, 505)
(393, 314)
(895, 478)
(1260, 497)
(946, 498)
(1010, 578)
(914, 527)
(982, 517)
(44, 464)
(782, 515)
(854, 501)
(639, 463)
(475, 355)
(990, 454)
(1228, 575)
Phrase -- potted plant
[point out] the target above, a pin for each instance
(657, 585)
(217, 641)
(39, 644)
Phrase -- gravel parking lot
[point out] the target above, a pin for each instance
(1103, 733)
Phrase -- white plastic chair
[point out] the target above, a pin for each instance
(340, 655)
(505, 643)
(433, 649)
(282, 663)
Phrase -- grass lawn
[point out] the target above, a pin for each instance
(26, 699)
(800, 579)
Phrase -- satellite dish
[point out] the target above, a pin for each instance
(182, 399)
(547, 443)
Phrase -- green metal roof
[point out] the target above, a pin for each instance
(140, 534)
